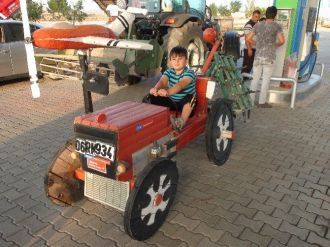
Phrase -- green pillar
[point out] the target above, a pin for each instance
(293, 5)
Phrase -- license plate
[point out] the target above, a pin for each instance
(95, 148)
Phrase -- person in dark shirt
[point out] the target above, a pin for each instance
(249, 49)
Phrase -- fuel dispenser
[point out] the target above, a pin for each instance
(283, 18)
(299, 23)
(296, 58)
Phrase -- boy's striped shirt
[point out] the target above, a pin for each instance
(173, 79)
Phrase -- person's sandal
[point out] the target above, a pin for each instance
(177, 123)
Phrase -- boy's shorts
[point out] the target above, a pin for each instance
(173, 105)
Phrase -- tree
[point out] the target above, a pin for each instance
(76, 14)
(214, 9)
(263, 12)
(224, 10)
(235, 6)
(34, 11)
(58, 8)
(249, 8)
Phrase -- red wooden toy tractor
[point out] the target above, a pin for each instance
(122, 157)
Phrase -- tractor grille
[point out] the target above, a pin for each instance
(107, 191)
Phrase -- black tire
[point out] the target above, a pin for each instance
(189, 36)
(218, 148)
(133, 79)
(231, 45)
(157, 184)
(60, 184)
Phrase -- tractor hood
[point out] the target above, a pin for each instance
(128, 126)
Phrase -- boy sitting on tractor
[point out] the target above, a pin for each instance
(176, 88)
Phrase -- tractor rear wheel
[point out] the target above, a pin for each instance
(151, 198)
(119, 81)
(189, 36)
(133, 79)
(60, 184)
(219, 121)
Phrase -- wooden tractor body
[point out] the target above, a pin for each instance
(122, 157)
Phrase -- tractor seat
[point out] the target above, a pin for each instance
(201, 100)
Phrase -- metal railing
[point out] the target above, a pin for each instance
(294, 88)
(293, 81)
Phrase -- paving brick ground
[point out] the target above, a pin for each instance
(273, 191)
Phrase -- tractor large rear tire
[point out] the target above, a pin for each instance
(189, 36)
(130, 80)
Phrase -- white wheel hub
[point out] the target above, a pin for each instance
(156, 203)
(223, 124)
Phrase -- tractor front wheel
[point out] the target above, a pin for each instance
(151, 199)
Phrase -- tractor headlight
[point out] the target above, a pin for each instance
(74, 155)
(121, 167)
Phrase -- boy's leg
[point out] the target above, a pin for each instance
(186, 111)
(179, 123)
(186, 105)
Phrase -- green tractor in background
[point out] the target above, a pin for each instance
(169, 23)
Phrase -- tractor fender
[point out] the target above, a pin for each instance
(231, 44)
(180, 20)
(226, 101)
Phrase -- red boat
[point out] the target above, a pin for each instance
(59, 37)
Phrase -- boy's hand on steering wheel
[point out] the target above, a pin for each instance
(153, 91)
(162, 92)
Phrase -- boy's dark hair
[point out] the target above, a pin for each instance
(180, 51)
(257, 11)
(271, 12)
(262, 19)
